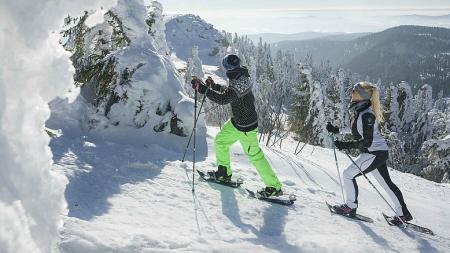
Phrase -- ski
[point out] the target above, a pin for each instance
(232, 183)
(353, 217)
(412, 226)
(282, 200)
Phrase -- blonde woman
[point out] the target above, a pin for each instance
(366, 113)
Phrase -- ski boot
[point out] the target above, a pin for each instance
(345, 210)
(400, 220)
(220, 175)
(270, 192)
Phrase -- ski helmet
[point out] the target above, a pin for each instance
(231, 61)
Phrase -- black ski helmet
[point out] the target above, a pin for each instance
(231, 61)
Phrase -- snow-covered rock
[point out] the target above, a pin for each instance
(185, 32)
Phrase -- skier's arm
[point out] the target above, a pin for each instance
(214, 86)
(222, 98)
(336, 130)
(345, 130)
(218, 88)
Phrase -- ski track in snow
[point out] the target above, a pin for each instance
(126, 198)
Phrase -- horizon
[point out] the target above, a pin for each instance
(287, 17)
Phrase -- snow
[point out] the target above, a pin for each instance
(158, 28)
(155, 86)
(184, 32)
(35, 69)
(126, 188)
(136, 198)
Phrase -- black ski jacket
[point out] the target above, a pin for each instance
(239, 94)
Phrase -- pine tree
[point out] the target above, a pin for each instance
(317, 114)
(421, 129)
(435, 152)
(396, 151)
(333, 104)
(406, 107)
(391, 107)
(300, 109)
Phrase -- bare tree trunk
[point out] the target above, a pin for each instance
(304, 145)
(296, 147)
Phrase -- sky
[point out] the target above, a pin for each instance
(292, 16)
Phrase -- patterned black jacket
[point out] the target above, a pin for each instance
(239, 94)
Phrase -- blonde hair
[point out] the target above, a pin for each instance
(374, 99)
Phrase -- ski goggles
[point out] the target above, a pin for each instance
(360, 90)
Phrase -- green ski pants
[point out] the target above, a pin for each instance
(227, 136)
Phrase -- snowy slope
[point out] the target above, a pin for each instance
(137, 198)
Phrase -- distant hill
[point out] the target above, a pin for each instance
(277, 37)
(416, 54)
(425, 17)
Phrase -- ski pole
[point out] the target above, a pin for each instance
(333, 138)
(195, 123)
(379, 193)
(195, 137)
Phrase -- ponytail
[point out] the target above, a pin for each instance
(375, 100)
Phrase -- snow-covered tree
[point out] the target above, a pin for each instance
(157, 27)
(345, 84)
(300, 123)
(406, 107)
(421, 128)
(333, 104)
(125, 74)
(437, 153)
(188, 77)
(396, 151)
(197, 66)
(194, 67)
(317, 114)
(392, 109)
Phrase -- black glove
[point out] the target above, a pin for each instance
(210, 82)
(199, 86)
(342, 145)
(332, 129)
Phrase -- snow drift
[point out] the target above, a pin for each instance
(34, 70)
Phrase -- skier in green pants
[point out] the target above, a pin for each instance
(242, 127)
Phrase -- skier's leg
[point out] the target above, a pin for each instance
(224, 139)
(249, 142)
(383, 178)
(348, 178)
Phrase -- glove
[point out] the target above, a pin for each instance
(202, 89)
(210, 82)
(342, 145)
(332, 129)
(197, 85)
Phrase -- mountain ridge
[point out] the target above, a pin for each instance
(411, 48)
